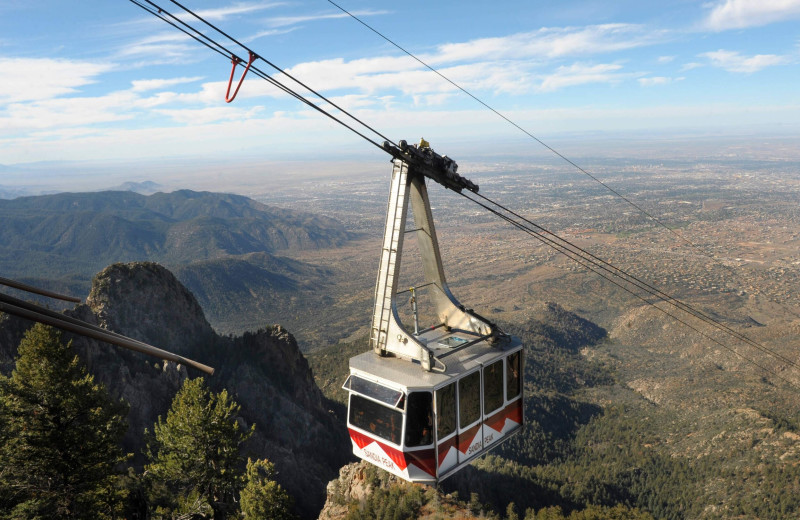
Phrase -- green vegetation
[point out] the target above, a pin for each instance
(261, 496)
(394, 499)
(60, 435)
(577, 459)
(392, 502)
(580, 457)
(60, 454)
(331, 367)
(194, 454)
(618, 512)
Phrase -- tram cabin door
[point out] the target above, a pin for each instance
(446, 431)
(418, 446)
(470, 433)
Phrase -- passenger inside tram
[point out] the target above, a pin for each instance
(512, 376)
(419, 419)
(379, 420)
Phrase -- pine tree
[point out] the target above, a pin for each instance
(195, 466)
(262, 497)
(61, 435)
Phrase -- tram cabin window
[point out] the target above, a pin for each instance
(469, 399)
(419, 419)
(374, 390)
(493, 387)
(512, 375)
(379, 420)
(445, 411)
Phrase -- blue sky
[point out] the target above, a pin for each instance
(105, 81)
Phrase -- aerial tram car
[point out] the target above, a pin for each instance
(423, 403)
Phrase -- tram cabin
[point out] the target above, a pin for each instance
(423, 426)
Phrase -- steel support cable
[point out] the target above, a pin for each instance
(258, 72)
(85, 329)
(282, 71)
(655, 291)
(222, 50)
(209, 42)
(551, 149)
(36, 290)
(29, 310)
(587, 265)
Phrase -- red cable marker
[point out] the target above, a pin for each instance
(235, 61)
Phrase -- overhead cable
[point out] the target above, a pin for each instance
(164, 15)
(36, 290)
(37, 313)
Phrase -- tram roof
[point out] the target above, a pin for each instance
(410, 374)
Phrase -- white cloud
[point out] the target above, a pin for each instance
(23, 79)
(220, 13)
(142, 85)
(657, 80)
(161, 53)
(548, 43)
(203, 116)
(666, 59)
(431, 100)
(353, 102)
(692, 65)
(579, 74)
(268, 32)
(732, 61)
(283, 133)
(49, 114)
(163, 47)
(738, 14)
(500, 65)
(403, 74)
(282, 21)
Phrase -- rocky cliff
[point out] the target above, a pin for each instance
(367, 492)
(264, 371)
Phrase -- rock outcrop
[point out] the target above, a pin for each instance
(264, 371)
(378, 494)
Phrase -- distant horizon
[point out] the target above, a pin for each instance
(243, 174)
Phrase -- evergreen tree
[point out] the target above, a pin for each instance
(262, 497)
(195, 466)
(61, 435)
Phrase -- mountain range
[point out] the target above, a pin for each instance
(222, 246)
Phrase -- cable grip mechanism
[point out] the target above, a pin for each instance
(235, 61)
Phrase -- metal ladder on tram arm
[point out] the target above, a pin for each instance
(410, 166)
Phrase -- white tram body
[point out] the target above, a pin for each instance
(424, 426)
(425, 402)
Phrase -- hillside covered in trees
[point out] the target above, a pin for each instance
(225, 248)
(593, 446)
